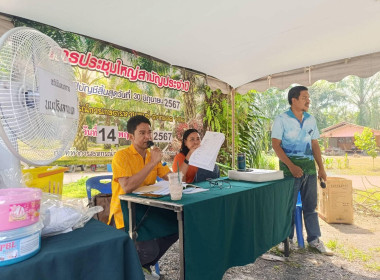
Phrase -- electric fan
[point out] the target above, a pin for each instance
(38, 102)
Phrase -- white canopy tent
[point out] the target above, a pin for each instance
(234, 41)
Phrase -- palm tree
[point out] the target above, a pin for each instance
(325, 99)
(361, 93)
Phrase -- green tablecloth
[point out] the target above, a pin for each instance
(157, 222)
(96, 251)
(224, 227)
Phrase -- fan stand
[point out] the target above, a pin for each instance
(10, 170)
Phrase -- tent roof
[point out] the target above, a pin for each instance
(234, 41)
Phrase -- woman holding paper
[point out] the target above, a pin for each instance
(191, 140)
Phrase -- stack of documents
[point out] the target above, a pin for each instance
(256, 175)
(162, 188)
(189, 189)
(205, 156)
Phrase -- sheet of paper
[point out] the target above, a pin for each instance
(193, 190)
(205, 156)
(161, 187)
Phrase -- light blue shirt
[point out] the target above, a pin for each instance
(296, 139)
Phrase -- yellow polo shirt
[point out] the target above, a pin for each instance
(125, 163)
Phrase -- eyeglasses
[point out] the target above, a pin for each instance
(219, 183)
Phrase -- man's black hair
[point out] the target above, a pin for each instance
(185, 150)
(295, 92)
(134, 122)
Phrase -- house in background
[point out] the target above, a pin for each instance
(341, 138)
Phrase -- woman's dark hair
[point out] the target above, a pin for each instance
(185, 150)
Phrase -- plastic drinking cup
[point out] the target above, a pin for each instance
(175, 186)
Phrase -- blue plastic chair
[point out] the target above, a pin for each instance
(298, 222)
(95, 183)
(157, 268)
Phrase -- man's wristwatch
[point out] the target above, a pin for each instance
(186, 161)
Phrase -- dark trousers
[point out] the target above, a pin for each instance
(150, 251)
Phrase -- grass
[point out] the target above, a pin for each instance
(82, 160)
(77, 189)
(350, 165)
(353, 254)
(360, 165)
(369, 198)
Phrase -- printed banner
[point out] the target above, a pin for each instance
(114, 85)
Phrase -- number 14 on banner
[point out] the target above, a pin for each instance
(107, 135)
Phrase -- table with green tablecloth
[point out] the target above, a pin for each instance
(218, 228)
(96, 251)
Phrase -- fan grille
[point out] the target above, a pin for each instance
(36, 138)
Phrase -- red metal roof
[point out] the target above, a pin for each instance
(344, 129)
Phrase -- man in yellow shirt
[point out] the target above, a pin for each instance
(134, 167)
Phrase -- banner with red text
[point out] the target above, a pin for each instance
(115, 84)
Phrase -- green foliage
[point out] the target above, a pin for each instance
(214, 109)
(328, 163)
(346, 161)
(325, 100)
(353, 254)
(218, 117)
(369, 198)
(251, 128)
(339, 163)
(251, 136)
(82, 160)
(267, 161)
(366, 142)
(349, 253)
(332, 244)
(363, 94)
(271, 102)
(77, 189)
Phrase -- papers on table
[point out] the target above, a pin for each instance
(189, 189)
(161, 188)
(193, 190)
(205, 156)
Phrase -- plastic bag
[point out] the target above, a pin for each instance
(60, 215)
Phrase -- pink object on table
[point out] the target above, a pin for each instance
(19, 207)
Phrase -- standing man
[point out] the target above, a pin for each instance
(294, 139)
(134, 167)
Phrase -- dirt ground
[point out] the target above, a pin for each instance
(357, 253)
(363, 235)
(357, 256)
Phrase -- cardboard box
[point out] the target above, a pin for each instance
(335, 201)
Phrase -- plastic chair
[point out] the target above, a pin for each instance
(157, 269)
(95, 183)
(298, 222)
